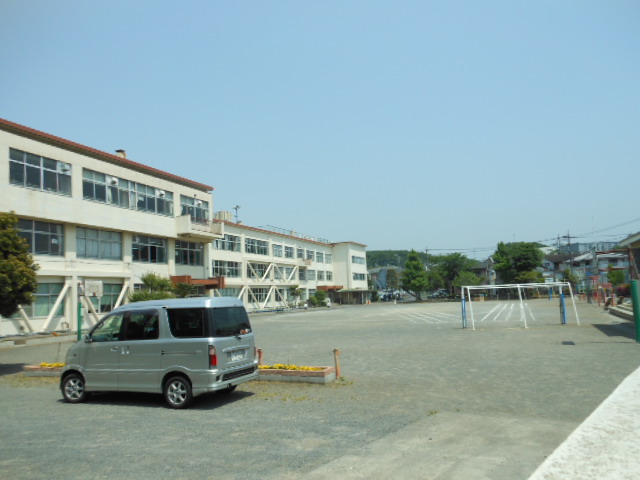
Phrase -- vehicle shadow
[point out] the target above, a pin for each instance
(207, 401)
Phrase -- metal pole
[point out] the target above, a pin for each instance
(635, 297)
(464, 310)
(79, 319)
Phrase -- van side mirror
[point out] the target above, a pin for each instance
(87, 338)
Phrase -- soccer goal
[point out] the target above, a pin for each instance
(520, 304)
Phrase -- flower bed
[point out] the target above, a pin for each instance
(43, 370)
(294, 373)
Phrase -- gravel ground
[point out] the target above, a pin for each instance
(419, 397)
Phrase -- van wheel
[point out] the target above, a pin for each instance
(228, 390)
(177, 392)
(73, 388)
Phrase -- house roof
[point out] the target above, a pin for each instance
(631, 240)
(59, 142)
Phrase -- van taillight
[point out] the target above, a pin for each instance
(213, 358)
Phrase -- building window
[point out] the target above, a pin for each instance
(259, 294)
(328, 258)
(222, 268)
(198, 210)
(288, 252)
(329, 276)
(258, 247)
(46, 296)
(277, 250)
(302, 274)
(358, 260)
(149, 249)
(110, 294)
(320, 275)
(230, 292)
(92, 243)
(189, 253)
(311, 274)
(256, 270)
(310, 254)
(44, 238)
(230, 243)
(319, 257)
(300, 253)
(33, 171)
(359, 276)
(100, 187)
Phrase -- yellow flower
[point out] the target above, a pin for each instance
(282, 366)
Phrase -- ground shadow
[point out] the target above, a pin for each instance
(207, 401)
(11, 368)
(624, 329)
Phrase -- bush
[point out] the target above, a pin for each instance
(313, 301)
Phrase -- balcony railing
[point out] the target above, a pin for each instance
(197, 229)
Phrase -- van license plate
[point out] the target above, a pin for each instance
(235, 356)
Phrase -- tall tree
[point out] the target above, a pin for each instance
(450, 266)
(414, 276)
(392, 279)
(516, 261)
(17, 269)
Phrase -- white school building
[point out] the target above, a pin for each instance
(96, 222)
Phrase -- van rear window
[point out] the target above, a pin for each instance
(187, 322)
(230, 321)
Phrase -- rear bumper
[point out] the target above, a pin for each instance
(216, 380)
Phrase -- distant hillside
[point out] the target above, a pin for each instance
(384, 258)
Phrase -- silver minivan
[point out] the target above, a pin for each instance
(178, 347)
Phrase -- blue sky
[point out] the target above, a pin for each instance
(448, 125)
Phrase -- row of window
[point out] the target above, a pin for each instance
(46, 238)
(42, 173)
(47, 294)
(254, 270)
(254, 246)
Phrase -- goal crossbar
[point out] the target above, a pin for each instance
(560, 286)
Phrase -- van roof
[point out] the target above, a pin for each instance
(194, 302)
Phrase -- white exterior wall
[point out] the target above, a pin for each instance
(72, 211)
(347, 269)
(259, 292)
(69, 272)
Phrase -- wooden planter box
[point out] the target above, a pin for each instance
(326, 375)
(39, 371)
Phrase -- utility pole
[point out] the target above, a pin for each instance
(569, 237)
(236, 208)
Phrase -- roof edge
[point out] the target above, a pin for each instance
(65, 144)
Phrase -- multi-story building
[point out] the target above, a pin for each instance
(265, 267)
(97, 222)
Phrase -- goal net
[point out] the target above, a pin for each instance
(518, 304)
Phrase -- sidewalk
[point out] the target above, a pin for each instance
(606, 445)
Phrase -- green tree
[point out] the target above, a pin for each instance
(185, 290)
(466, 279)
(321, 296)
(17, 269)
(393, 282)
(414, 278)
(570, 277)
(450, 266)
(514, 259)
(155, 287)
(294, 292)
(615, 277)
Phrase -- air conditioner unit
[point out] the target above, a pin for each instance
(198, 203)
(63, 167)
(113, 181)
(160, 193)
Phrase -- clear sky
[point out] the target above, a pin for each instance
(449, 125)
